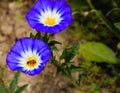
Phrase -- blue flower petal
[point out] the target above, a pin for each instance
(45, 56)
(13, 66)
(16, 58)
(13, 55)
(17, 46)
(60, 5)
(40, 45)
(33, 72)
(41, 4)
(27, 44)
(12, 60)
(43, 50)
(37, 15)
(33, 17)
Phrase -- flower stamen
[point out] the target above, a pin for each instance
(50, 21)
(32, 62)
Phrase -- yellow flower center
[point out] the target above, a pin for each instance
(32, 62)
(50, 21)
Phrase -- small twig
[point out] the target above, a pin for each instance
(104, 20)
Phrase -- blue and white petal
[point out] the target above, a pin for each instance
(49, 16)
(28, 55)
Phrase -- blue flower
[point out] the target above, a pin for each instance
(28, 55)
(50, 16)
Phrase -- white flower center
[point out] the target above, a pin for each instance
(30, 60)
(50, 17)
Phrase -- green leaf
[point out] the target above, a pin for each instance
(53, 48)
(76, 4)
(67, 64)
(75, 69)
(38, 35)
(14, 82)
(52, 43)
(117, 25)
(31, 35)
(69, 53)
(2, 90)
(98, 52)
(20, 90)
(45, 38)
(53, 59)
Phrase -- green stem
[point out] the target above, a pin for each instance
(68, 75)
(112, 10)
(104, 20)
(72, 80)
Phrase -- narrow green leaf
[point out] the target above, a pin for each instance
(14, 82)
(21, 89)
(97, 52)
(53, 48)
(69, 53)
(75, 69)
(67, 64)
(31, 35)
(79, 4)
(38, 35)
(2, 90)
(53, 59)
(45, 38)
(117, 25)
(52, 43)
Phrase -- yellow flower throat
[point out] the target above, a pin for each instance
(50, 21)
(32, 62)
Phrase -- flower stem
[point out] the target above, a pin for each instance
(68, 75)
(112, 10)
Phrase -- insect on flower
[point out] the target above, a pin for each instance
(49, 16)
(28, 55)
